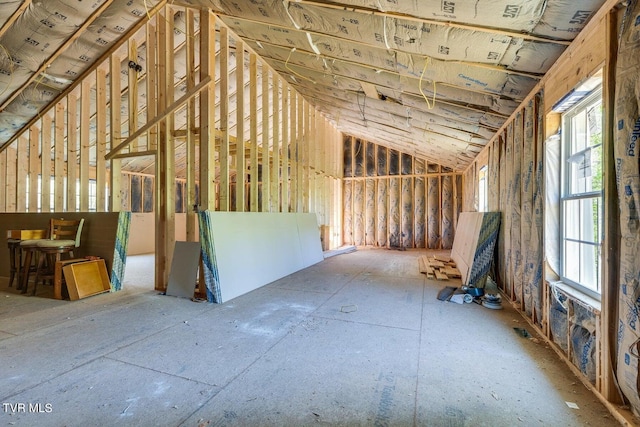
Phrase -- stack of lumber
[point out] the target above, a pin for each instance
(438, 267)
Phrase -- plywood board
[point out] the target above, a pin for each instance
(184, 269)
(254, 248)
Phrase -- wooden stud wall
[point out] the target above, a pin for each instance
(260, 147)
(392, 199)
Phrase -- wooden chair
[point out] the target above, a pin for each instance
(64, 238)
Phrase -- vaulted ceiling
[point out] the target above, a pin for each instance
(432, 78)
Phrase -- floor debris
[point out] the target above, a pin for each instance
(348, 308)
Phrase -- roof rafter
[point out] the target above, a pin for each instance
(15, 16)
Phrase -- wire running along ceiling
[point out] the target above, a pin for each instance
(432, 78)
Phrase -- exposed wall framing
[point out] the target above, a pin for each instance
(395, 200)
(583, 330)
(221, 131)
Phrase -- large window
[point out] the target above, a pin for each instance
(581, 201)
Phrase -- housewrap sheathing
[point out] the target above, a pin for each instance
(627, 133)
(398, 200)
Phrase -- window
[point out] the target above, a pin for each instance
(483, 204)
(581, 194)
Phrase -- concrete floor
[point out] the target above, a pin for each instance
(359, 339)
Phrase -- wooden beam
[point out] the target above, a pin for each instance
(240, 145)
(152, 85)
(275, 148)
(115, 126)
(85, 127)
(72, 152)
(224, 119)
(207, 113)
(266, 167)
(21, 174)
(132, 93)
(161, 116)
(45, 164)
(293, 151)
(190, 187)
(101, 138)
(285, 148)
(611, 243)
(253, 131)
(34, 168)
(58, 161)
(63, 48)
(18, 12)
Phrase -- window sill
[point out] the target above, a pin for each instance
(575, 294)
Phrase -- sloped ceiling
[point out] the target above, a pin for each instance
(432, 78)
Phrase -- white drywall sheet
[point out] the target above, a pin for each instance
(253, 249)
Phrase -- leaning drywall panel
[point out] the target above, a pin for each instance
(483, 252)
(626, 134)
(253, 249)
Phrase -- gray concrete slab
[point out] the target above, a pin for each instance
(352, 381)
(470, 360)
(229, 338)
(284, 355)
(106, 392)
(378, 300)
(49, 351)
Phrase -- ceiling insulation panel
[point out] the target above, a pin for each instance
(440, 76)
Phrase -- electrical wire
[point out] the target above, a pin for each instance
(431, 104)
(286, 65)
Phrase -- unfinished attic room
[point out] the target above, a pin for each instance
(309, 212)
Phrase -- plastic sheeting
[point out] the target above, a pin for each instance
(420, 226)
(627, 135)
(395, 238)
(448, 232)
(433, 213)
(391, 207)
(552, 206)
(347, 217)
(407, 211)
(381, 219)
(516, 207)
(358, 212)
(370, 212)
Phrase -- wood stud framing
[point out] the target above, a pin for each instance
(282, 152)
